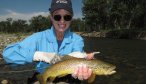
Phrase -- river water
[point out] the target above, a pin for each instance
(129, 56)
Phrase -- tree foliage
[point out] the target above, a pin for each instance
(40, 23)
(77, 25)
(114, 14)
(97, 15)
(35, 24)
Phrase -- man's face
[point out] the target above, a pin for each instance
(61, 20)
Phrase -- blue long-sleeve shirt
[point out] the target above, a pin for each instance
(22, 52)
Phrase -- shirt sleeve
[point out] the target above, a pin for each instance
(21, 52)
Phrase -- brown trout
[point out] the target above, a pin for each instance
(68, 66)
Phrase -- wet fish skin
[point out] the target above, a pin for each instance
(67, 66)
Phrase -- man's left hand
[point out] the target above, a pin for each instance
(82, 72)
(91, 55)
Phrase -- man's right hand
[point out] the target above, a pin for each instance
(50, 58)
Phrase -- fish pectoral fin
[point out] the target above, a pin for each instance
(92, 78)
(51, 79)
(62, 75)
(67, 57)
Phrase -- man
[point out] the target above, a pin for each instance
(45, 47)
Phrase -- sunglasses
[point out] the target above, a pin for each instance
(65, 17)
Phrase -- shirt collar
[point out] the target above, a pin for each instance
(51, 36)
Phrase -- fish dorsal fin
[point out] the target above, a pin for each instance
(67, 57)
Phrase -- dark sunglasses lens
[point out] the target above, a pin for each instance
(67, 17)
(57, 17)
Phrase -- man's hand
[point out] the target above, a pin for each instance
(51, 58)
(55, 59)
(83, 55)
(82, 72)
(91, 55)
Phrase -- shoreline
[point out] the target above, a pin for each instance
(7, 38)
(104, 35)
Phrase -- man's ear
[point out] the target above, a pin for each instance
(51, 17)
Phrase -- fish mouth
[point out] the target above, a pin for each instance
(111, 70)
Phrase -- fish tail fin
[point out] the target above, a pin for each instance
(41, 79)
